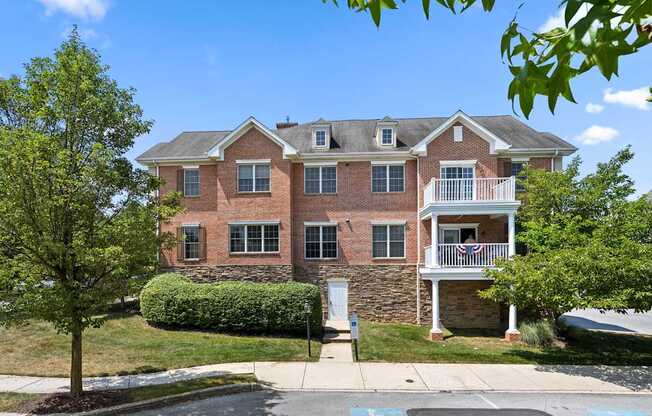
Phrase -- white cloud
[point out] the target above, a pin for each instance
(597, 134)
(558, 19)
(592, 108)
(633, 98)
(83, 9)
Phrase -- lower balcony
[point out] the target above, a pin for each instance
(471, 256)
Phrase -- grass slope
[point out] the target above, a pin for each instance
(127, 344)
(409, 343)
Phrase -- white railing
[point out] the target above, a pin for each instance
(472, 189)
(468, 255)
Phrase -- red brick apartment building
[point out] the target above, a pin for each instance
(380, 214)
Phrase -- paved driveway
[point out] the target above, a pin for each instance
(611, 321)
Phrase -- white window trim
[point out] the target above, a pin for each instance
(387, 162)
(262, 225)
(186, 169)
(386, 165)
(387, 224)
(458, 163)
(253, 161)
(321, 226)
(520, 159)
(458, 227)
(380, 136)
(319, 166)
(183, 227)
(253, 173)
(326, 138)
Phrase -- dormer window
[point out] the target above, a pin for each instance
(320, 138)
(387, 136)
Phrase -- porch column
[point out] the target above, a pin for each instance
(436, 333)
(434, 243)
(511, 234)
(512, 334)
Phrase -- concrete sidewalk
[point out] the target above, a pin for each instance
(341, 376)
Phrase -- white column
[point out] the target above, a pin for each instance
(511, 234)
(512, 319)
(434, 240)
(436, 333)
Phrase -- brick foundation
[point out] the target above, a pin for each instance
(513, 336)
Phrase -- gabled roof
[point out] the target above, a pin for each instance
(358, 136)
(495, 143)
(217, 151)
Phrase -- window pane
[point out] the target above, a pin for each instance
(320, 138)
(191, 182)
(517, 171)
(237, 238)
(245, 178)
(396, 181)
(379, 233)
(396, 238)
(380, 249)
(311, 180)
(254, 238)
(396, 249)
(191, 242)
(271, 238)
(451, 236)
(312, 242)
(379, 178)
(262, 178)
(387, 136)
(329, 241)
(329, 179)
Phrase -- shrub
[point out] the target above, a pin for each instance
(173, 300)
(539, 334)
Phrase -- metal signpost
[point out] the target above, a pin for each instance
(307, 310)
(355, 333)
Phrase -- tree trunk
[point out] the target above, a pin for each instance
(76, 388)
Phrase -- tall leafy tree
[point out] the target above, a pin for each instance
(590, 244)
(76, 218)
(595, 34)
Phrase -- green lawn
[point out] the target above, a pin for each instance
(409, 343)
(127, 344)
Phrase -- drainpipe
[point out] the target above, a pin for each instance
(418, 246)
(158, 225)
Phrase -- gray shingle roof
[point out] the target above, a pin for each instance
(349, 136)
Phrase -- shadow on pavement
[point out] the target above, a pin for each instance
(634, 378)
(476, 412)
(595, 325)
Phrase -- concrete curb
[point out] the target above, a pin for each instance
(169, 400)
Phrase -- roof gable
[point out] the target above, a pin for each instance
(217, 151)
(495, 142)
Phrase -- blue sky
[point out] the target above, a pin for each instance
(208, 65)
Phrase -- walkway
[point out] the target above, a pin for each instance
(336, 346)
(340, 376)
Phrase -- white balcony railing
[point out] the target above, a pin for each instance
(472, 189)
(467, 255)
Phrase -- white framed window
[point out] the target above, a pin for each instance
(387, 136)
(254, 177)
(518, 171)
(460, 183)
(320, 138)
(458, 133)
(320, 179)
(191, 182)
(388, 241)
(253, 238)
(387, 178)
(320, 241)
(458, 233)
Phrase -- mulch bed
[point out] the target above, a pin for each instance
(65, 403)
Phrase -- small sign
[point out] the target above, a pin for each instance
(354, 326)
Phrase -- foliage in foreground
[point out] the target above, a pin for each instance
(538, 334)
(171, 299)
(595, 34)
(590, 244)
(77, 220)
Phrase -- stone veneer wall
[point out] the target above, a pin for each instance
(460, 306)
(384, 293)
(211, 274)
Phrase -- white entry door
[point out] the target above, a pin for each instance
(338, 296)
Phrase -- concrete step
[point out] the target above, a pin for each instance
(336, 337)
(337, 326)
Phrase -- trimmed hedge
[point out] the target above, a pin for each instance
(171, 299)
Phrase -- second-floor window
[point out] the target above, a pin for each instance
(387, 178)
(254, 238)
(320, 179)
(518, 172)
(191, 182)
(321, 241)
(253, 177)
(388, 241)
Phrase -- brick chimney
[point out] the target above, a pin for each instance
(286, 124)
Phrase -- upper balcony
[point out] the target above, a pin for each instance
(470, 196)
